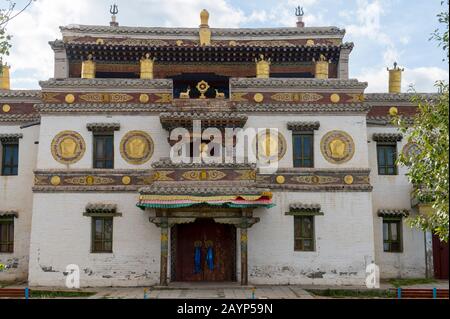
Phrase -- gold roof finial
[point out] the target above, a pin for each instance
(204, 32)
(5, 83)
(395, 79)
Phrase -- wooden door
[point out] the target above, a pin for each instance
(200, 236)
(440, 258)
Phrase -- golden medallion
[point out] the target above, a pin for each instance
(6, 108)
(70, 98)
(270, 146)
(393, 111)
(55, 180)
(90, 180)
(348, 179)
(144, 98)
(337, 147)
(136, 147)
(310, 42)
(68, 147)
(335, 98)
(126, 180)
(281, 179)
(258, 97)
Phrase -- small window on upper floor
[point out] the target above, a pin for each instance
(387, 157)
(10, 159)
(104, 151)
(303, 145)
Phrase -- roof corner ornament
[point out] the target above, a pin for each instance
(114, 10)
(395, 79)
(299, 12)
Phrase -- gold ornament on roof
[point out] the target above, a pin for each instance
(395, 79)
(322, 67)
(147, 64)
(204, 31)
(203, 87)
(262, 67)
(88, 68)
(4, 79)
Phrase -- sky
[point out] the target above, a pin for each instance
(383, 31)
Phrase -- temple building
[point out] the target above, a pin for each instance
(88, 175)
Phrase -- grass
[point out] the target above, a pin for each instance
(410, 282)
(353, 293)
(60, 294)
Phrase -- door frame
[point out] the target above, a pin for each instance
(173, 251)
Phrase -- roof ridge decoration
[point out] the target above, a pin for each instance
(398, 97)
(164, 31)
(20, 93)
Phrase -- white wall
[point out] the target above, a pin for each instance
(52, 125)
(344, 241)
(354, 125)
(393, 192)
(16, 195)
(61, 236)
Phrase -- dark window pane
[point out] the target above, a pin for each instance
(104, 151)
(386, 155)
(303, 150)
(6, 236)
(10, 159)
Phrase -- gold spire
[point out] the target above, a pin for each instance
(4, 79)
(263, 67)
(147, 67)
(322, 68)
(88, 68)
(395, 79)
(204, 32)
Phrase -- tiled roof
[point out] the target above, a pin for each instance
(303, 126)
(103, 127)
(297, 83)
(387, 137)
(393, 212)
(9, 213)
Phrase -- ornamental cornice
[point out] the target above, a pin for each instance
(398, 97)
(29, 94)
(393, 212)
(101, 108)
(356, 108)
(107, 83)
(200, 189)
(19, 118)
(303, 126)
(10, 138)
(297, 83)
(387, 137)
(103, 127)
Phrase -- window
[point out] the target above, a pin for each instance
(303, 150)
(304, 233)
(6, 236)
(387, 156)
(392, 234)
(102, 232)
(10, 159)
(104, 151)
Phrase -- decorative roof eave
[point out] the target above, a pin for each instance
(362, 108)
(386, 120)
(101, 209)
(19, 118)
(9, 214)
(100, 108)
(387, 137)
(201, 54)
(10, 138)
(170, 121)
(177, 195)
(393, 213)
(398, 97)
(76, 29)
(103, 127)
(28, 94)
(303, 126)
(167, 163)
(160, 84)
(284, 83)
(305, 209)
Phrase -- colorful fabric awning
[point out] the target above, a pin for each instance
(216, 197)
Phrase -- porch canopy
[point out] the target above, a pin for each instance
(171, 195)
